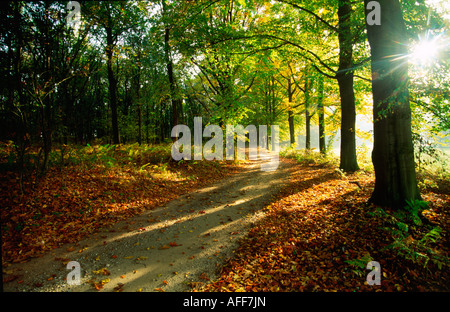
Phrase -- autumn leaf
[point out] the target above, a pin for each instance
(102, 271)
(99, 285)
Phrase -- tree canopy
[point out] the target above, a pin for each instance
(129, 71)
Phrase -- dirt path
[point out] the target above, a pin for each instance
(173, 248)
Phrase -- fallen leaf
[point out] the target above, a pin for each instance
(102, 271)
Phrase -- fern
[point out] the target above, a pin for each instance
(359, 264)
(404, 245)
(432, 236)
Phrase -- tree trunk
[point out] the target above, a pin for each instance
(291, 113)
(321, 112)
(137, 97)
(307, 114)
(112, 85)
(176, 103)
(308, 128)
(46, 102)
(345, 82)
(393, 153)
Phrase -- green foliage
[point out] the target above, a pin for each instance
(360, 264)
(110, 155)
(407, 242)
(420, 251)
(411, 211)
(310, 157)
(363, 154)
(425, 151)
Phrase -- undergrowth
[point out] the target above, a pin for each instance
(412, 240)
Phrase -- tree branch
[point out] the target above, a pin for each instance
(311, 13)
(363, 78)
(206, 76)
(303, 49)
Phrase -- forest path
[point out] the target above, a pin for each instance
(175, 247)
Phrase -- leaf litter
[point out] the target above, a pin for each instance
(317, 229)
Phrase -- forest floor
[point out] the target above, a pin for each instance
(217, 226)
(176, 245)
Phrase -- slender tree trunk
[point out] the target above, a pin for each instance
(176, 103)
(291, 113)
(321, 112)
(147, 123)
(172, 84)
(20, 120)
(139, 124)
(307, 111)
(162, 123)
(46, 113)
(308, 128)
(112, 84)
(345, 81)
(393, 153)
(137, 97)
